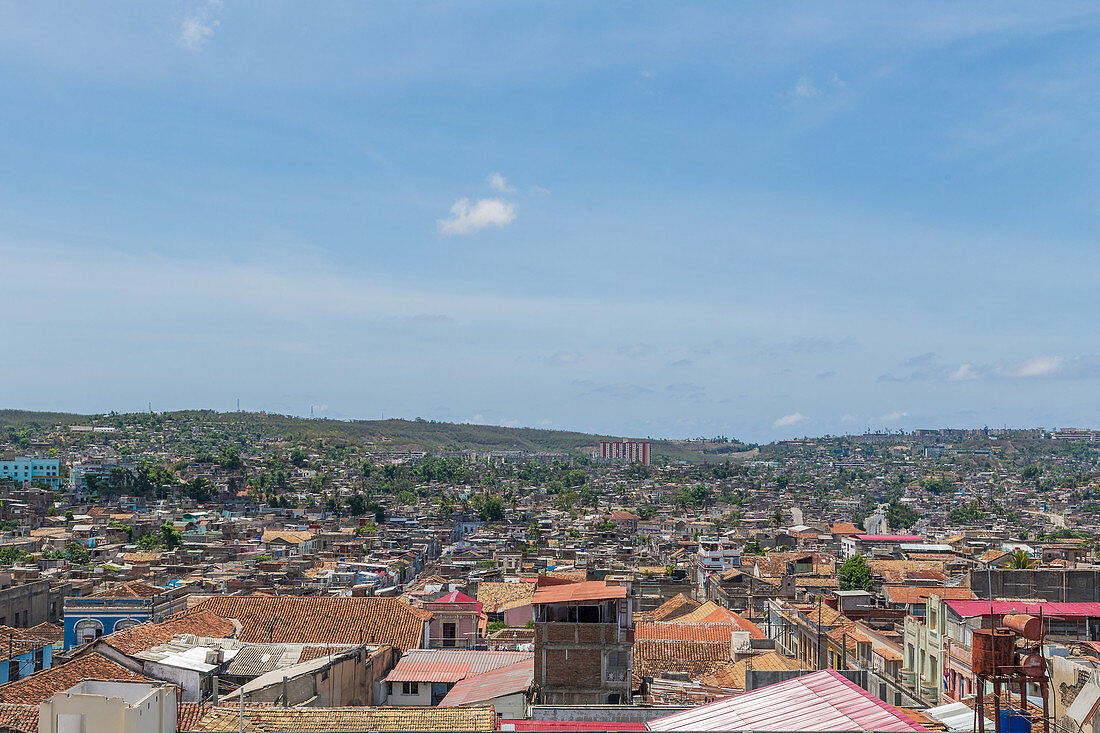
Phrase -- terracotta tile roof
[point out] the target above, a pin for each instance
(909, 594)
(898, 571)
(676, 606)
(286, 535)
(315, 620)
(311, 720)
(732, 676)
(493, 596)
(47, 631)
(711, 613)
(22, 718)
(141, 556)
(41, 685)
(188, 713)
(822, 615)
(992, 555)
(133, 589)
(199, 622)
(653, 657)
(844, 528)
(684, 632)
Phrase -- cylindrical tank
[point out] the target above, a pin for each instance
(1013, 721)
(1034, 665)
(1026, 625)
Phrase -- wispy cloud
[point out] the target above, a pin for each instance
(620, 391)
(467, 218)
(788, 420)
(1039, 366)
(561, 358)
(964, 372)
(199, 24)
(928, 368)
(499, 183)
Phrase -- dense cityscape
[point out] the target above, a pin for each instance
(288, 574)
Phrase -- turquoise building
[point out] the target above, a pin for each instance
(29, 470)
(115, 609)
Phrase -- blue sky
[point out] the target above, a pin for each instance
(637, 218)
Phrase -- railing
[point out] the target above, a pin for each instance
(616, 674)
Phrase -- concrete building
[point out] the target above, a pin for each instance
(625, 451)
(26, 470)
(110, 707)
(26, 604)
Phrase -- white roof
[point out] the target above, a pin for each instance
(957, 716)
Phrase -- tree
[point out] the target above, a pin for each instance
(937, 486)
(202, 491)
(753, 547)
(899, 515)
(148, 542)
(491, 510)
(1030, 472)
(1020, 560)
(170, 535)
(298, 457)
(855, 574)
(357, 505)
(77, 553)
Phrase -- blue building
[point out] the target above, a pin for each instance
(118, 608)
(22, 654)
(27, 470)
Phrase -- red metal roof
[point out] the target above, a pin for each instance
(431, 665)
(495, 683)
(591, 590)
(819, 701)
(967, 609)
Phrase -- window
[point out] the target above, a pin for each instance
(87, 629)
(410, 688)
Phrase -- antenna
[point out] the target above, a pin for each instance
(238, 404)
(311, 412)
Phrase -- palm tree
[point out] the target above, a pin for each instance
(1020, 560)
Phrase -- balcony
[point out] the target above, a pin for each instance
(908, 678)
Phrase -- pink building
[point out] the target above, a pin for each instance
(626, 451)
(455, 621)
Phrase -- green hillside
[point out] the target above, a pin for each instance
(394, 435)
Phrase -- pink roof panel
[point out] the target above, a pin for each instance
(818, 701)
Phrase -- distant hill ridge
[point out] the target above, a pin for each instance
(393, 434)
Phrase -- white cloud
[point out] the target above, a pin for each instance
(788, 420)
(890, 417)
(1039, 366)
(499, 183)
(805, 89)
(965, 371)
(198, 27)
(466, 218)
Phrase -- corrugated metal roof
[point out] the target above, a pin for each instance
(591, 590)
(431, 665)
(967, 609)
(819, 701)
(569, 725)
(484, 687)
